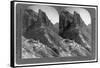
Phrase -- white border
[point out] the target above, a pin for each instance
(15, 3)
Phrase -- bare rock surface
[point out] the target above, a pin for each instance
(41, 39)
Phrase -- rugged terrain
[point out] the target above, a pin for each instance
(68, 38)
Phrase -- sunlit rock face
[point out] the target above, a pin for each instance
(41, 39)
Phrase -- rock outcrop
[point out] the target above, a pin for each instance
(72, 27)
(41, 39)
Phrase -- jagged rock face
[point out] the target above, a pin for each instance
(44, 31)
(39, 26)
(65, 21)
(41, 39)
(29, 18)
(72, 27)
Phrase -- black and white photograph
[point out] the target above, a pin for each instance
(53, 33)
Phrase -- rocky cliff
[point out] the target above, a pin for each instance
(41, 39)
(73, 27)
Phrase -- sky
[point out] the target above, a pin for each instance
(53, 15)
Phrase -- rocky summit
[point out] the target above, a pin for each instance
(73, 27)
(42, 39)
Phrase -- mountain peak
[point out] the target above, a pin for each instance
(40, 11)
(71, 26)
(75, 13)
(42, 37)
